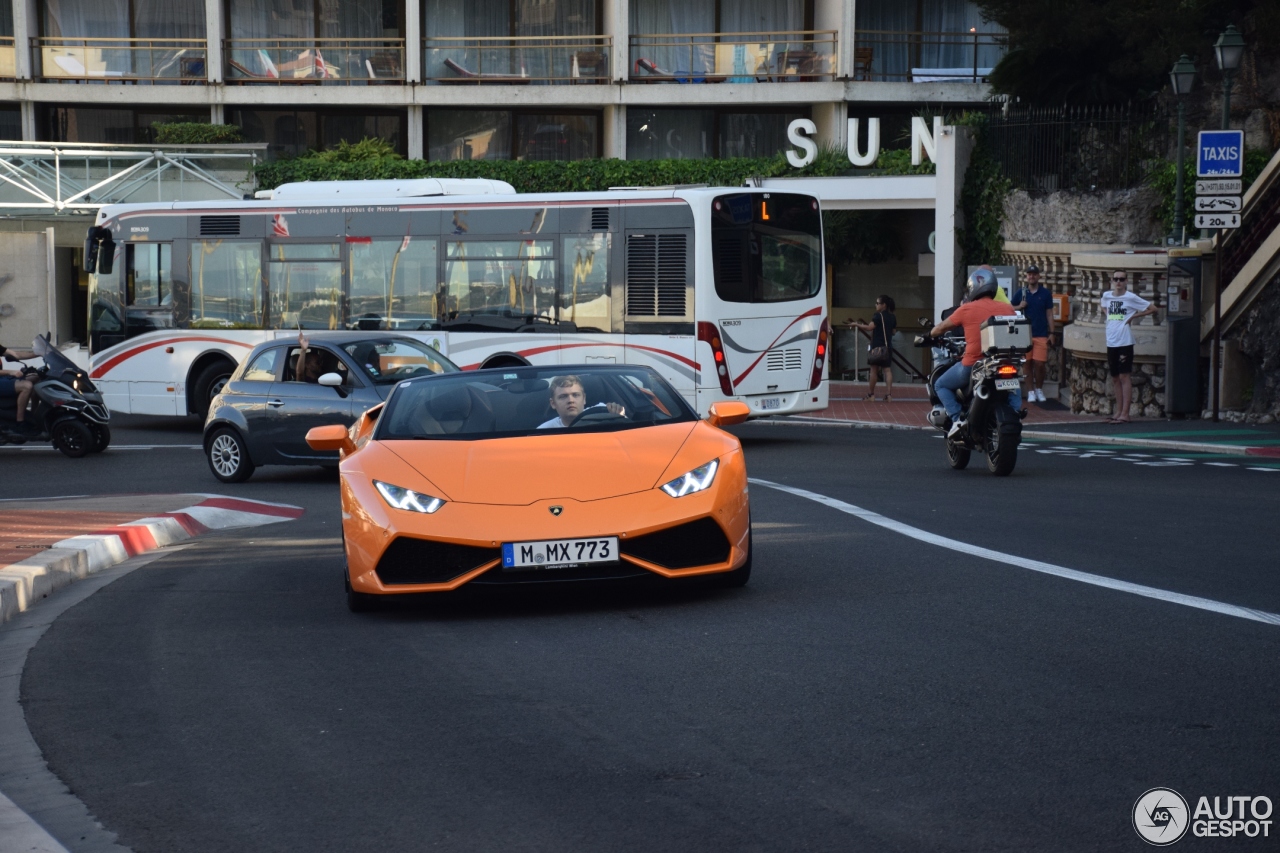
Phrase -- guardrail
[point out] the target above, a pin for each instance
(925, 57)
(357, 61)
(517, 60)
(805, 55)
(121, 60)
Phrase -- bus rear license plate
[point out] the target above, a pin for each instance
(771, 403)
(558, 553)
(1006, 385)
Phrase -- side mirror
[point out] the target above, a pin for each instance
(728, 413)
(331, 437)
(332, 380)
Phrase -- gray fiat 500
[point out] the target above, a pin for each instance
(286, 386)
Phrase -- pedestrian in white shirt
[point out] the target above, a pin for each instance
(1121, 308)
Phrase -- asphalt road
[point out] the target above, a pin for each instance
(867, 691)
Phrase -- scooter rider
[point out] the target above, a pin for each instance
(980, 304)
(13, 385)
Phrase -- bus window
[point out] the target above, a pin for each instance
(766, 247)
(585, 299)
(393, 284)
(509, 277)
(305, 281)
(226, 284)
(148, 287)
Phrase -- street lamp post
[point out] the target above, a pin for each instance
(1228, 50)
(1182, 77)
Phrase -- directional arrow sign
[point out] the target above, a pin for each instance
(1217, 220)
(1220, 154)
(1219, 187)
(1218, 203)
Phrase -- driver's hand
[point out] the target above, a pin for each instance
(616, 409)
(302, 340)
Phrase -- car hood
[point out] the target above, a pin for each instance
(520, 471)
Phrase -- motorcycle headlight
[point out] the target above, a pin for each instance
(402, 498)
(697, 480)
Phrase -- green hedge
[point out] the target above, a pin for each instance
(195, 133)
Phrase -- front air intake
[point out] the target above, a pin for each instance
(412, 561)
(697, 543)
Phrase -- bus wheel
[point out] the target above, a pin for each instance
(209, 384)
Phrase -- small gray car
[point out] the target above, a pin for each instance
(265, 410)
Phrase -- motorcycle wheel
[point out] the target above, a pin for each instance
(101, 437)
(72, 437)
(957, 455)
(1002, 451)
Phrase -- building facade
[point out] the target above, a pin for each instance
(489, 79)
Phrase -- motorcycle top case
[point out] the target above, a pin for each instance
(1009, 333)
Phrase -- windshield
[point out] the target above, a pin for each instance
(530, 401)
(387, 362)
(767, 247)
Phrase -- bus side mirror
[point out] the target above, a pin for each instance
(331, 437)
(99, 250)
(728, 413)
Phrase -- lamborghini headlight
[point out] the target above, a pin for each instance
(402, 498)
(695, 481)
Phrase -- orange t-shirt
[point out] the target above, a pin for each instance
(970, 317)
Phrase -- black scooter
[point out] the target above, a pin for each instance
(65, 407)
(992, 427)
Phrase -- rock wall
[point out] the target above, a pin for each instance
(1110, 216)
(1091, 388)
(1258, 334)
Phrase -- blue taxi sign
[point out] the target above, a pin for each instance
(1220, 154)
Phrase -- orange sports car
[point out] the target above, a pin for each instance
(535, 474)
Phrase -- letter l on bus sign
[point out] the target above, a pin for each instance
(1220, 154)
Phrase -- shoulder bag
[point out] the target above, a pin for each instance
(881, 356)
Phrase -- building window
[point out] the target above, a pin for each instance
(512, 135)
(924, 41)
(145, 19)
(657, 134)
(315, 19)
(114, 127)
(292, 133)
(486, 38)
(10, 121)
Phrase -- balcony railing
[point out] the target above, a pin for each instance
(363, 61)
(517, 60)
(8, 70)
(923, 57)
(734, 57)
(120, 60)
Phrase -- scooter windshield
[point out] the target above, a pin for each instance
(56, 361)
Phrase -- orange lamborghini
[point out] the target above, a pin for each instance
(535, 474)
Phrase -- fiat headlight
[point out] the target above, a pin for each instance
(402, 498)
(695, 481)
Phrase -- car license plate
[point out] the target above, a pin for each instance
(1007, 384)
(559, 553)
(771, 403)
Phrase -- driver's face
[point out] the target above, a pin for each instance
(568, 401)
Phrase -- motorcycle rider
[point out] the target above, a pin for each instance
(13, 385)
(979, 305)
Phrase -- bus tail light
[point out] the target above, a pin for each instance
(820, 356)
(708, 332)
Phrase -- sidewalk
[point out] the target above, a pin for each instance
(46, 544)
(1051, 421)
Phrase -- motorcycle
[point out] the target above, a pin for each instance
(992, 427)
(65, 406)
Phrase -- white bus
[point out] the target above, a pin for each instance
(723, 290)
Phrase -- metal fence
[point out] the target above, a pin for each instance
(1079, 148)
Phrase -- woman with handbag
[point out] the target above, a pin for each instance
(880, 352)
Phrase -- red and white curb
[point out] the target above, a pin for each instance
(25, 582)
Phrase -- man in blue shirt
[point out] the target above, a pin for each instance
(1036, 304)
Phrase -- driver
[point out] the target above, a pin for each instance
(13, 385)
(310, 366)
(569, 401)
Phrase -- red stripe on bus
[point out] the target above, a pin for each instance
(104, 368)
(744, 373)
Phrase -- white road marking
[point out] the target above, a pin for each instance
(1163, 464)
(1025, 563)
(37, 447)
(1222, 464)
(1264, 469)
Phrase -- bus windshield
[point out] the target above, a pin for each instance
(767, 247)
